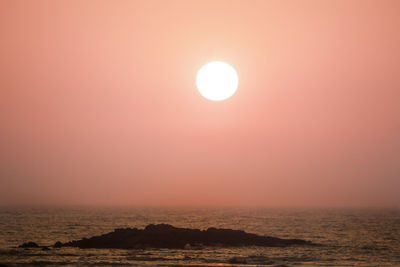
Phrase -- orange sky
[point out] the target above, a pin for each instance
(98, 103)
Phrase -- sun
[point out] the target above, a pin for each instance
(217, 81)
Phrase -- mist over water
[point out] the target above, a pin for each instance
(348, 237)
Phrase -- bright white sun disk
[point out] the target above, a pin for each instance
(217, 81)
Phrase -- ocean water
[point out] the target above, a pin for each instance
(348, 237)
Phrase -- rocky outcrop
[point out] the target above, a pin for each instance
(168, 236)
(29, 245)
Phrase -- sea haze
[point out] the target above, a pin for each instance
(348, 237)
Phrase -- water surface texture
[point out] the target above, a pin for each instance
(348, 237)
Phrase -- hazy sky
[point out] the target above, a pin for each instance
(98, 103)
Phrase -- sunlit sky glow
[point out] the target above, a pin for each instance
(99, 105)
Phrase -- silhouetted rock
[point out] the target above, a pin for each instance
(29, 245)
(58, 244)
(168, 236)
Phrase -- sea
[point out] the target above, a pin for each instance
(346, 237)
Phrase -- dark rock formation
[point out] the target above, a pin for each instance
(29, 245)
(58, 244)
(33, 245)
(167, 236)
